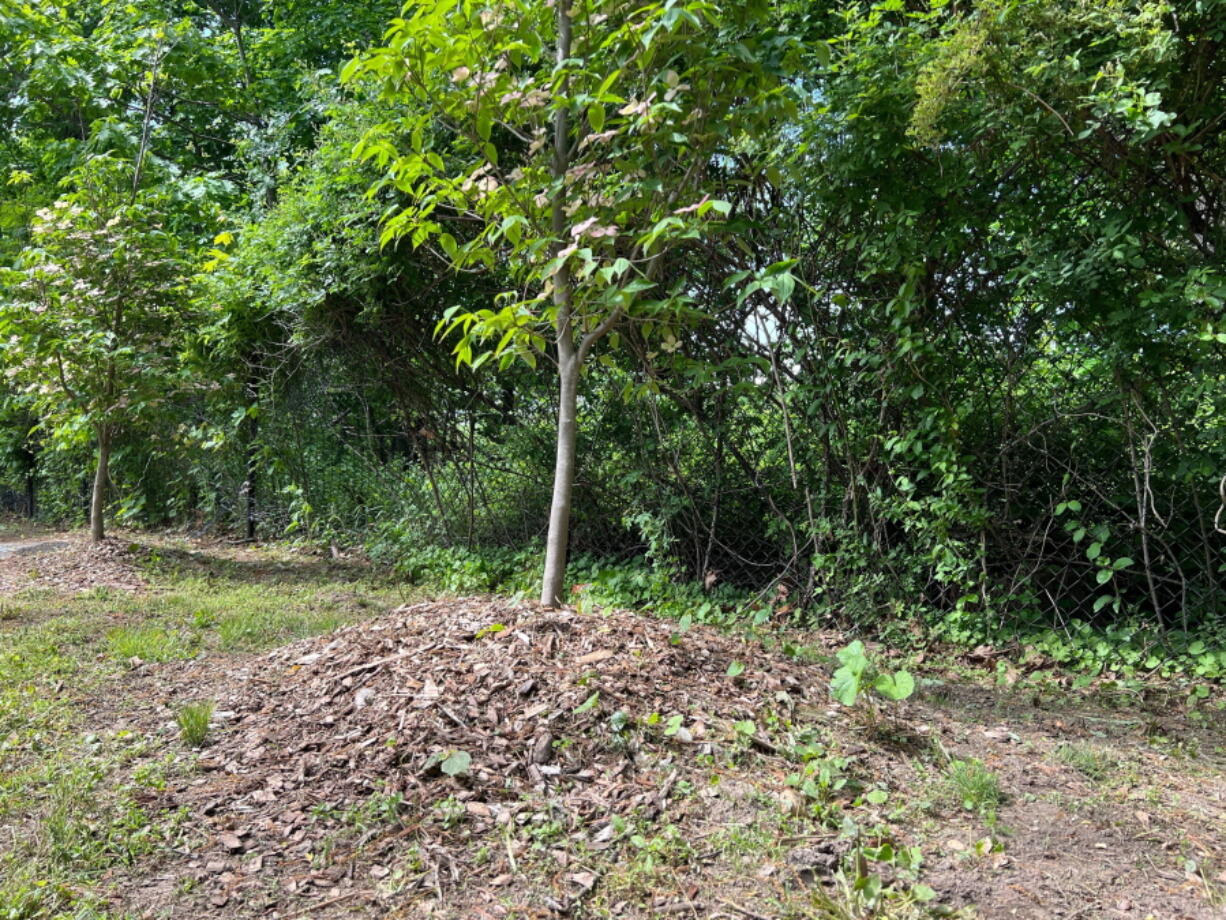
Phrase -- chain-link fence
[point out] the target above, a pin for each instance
(1075, 513)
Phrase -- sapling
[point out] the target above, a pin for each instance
(858, 675)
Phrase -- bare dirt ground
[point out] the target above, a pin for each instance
(477, 757)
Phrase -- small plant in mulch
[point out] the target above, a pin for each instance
(193, 720)
(1093, 763)
(859, 676)
(974, 786)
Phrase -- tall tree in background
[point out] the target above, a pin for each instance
(582, 144)
(94, 309)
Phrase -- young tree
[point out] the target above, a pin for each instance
(93, 310)
(578, 144)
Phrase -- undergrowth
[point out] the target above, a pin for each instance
(1125, 649)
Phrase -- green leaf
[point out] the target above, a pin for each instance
(735, 669)
(456, 763)
(602, 93)
(595, 117)
(512, 228)
(896, 686)
(852, 654)
(589, 704)
(845, 685)
(780, 286)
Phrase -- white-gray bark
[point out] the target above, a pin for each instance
(569, 360)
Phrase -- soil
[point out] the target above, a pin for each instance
(482, 758)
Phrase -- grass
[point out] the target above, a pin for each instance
(71, 793)
(81, 825)
(193, 721)
(252, 629)
(147, 643)
(1094, 763)
(974, 786)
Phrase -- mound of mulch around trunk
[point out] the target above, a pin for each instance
(480, 707)
(72, 564)
(483, 758)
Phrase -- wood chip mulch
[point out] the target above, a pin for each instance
(71, 564)
(527, 701)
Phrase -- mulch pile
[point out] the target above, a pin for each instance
(71, 564)
(487, 707)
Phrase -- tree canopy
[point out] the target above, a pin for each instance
(900, 312)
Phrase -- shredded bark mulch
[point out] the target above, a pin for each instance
(483, 758)
(482, 707)
(71, 564)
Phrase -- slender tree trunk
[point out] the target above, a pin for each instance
(249, 487)
(97, 504)
(563, 479)
(569, 357)
(250, 433)
(30, 495)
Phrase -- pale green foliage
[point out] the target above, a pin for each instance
(1007, 44)
(97, 304)
(858, 674)
(456, 763)
(651, 98)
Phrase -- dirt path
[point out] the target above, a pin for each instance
(67, 562)
(26, 547)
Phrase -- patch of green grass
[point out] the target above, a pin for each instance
(148, 643)
(746, 844)
(651, 861)
(1093, 762)
(76, 821)
(33, 662)
(193, 721)
(973, 786)
(253, 629)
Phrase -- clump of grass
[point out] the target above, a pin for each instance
(1094, 763)
(262, 628)
(974, 786)
(148, 643)
(193, 720)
